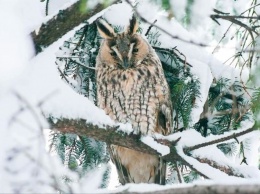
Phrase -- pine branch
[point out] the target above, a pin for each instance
(106, 134)
(62, 23)
(110, 135)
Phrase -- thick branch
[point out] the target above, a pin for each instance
(207, 189)
(110, 135)
(62, 23)
(106, 134)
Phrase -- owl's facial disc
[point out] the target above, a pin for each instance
(123, 50)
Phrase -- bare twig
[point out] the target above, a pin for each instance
(178, 172)
(165, 31)
(231, 17)
(81, 64)
(172, 52)
(189, 149)
(150, 27)
(82, 36)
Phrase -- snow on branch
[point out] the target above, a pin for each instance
(108, 134)
(219, 140)
(226, 169)
(198, 189)
(62, 23)
(111, 135)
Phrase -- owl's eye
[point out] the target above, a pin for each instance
(135, 50)
(113, 53)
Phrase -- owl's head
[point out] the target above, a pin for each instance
(122, 50)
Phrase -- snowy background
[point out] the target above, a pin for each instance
(31, 90)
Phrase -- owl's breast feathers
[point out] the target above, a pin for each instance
(138, 95)
(131, 87)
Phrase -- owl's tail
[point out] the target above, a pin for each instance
(137, 167)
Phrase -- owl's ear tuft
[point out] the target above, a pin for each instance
(105, 30)
(132, 28)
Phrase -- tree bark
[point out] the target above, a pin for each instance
(226, 169)
(110, 135)
(62, 23)
(107, 134)
(207, 189)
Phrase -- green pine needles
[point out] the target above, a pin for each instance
(76, 63)
(226, 107)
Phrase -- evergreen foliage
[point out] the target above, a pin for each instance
(226, 108)
(80, 154)
(76, 63)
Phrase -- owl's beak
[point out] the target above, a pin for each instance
(125, 62)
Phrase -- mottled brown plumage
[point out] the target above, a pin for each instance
(132, 88)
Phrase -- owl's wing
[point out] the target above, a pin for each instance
(164, 119)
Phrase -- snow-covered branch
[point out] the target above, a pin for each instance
(198, 189)
(111, 135)
(106, 133)
(226, 169)
(219, 140)
(62, 23)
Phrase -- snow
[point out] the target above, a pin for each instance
(210, 172)
(162, 149)
(57, 98)
(178, 8)
(124, 12)
(20, 46)
(191, 137)
(30, 86)
(201, 18)
(125, 127)
(214, 154)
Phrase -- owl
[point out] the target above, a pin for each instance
(131, 88)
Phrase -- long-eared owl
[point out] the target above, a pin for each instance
(131, 88)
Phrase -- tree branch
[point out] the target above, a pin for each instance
(165, 31)
(108, 134)
(226, 169)
(62, 23)
(234, 135)
(111, 135)
(205, 189)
